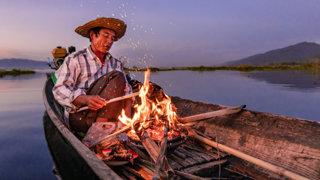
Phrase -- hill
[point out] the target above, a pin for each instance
(22, 64)
(298, 53)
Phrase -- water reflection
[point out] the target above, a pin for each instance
(293, 80)
(21, 137)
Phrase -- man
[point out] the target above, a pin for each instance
(88, 74)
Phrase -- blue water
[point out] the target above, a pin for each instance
(289, 96)
(23, 149)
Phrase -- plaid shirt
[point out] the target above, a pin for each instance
(79, 71)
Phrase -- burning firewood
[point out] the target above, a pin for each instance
(115, 154)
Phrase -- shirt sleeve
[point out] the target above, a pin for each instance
(64, 90)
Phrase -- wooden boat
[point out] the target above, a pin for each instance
(291, 145)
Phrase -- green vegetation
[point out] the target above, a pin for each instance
(242, 67)
(15, 72)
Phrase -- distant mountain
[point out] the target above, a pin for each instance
(22, 64)
(298, 53)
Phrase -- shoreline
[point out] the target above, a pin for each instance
(242, 67)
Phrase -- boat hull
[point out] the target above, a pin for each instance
(72, 158)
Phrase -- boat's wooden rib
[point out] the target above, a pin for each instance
(291, 143)
(92, 167)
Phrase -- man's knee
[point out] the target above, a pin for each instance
(118, 77)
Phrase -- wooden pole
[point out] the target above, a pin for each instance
(256, 161)
(208, 115)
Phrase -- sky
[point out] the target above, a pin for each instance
(162, 33)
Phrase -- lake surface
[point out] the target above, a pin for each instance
(23, 149)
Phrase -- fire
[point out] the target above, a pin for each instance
(150, 114)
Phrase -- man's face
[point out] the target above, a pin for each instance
(103, 41)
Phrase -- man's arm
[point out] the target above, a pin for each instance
(67, 75)
(64, 91)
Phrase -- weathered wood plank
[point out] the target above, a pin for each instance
(192, 154)
(179, 154)
(175, 158)
(197, 168)
(175, 165)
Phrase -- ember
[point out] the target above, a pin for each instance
(155, 132)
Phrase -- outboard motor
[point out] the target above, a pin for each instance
(59, 54)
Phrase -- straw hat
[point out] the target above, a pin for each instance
(118, 26)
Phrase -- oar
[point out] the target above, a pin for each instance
(199, 117)
(110, 101)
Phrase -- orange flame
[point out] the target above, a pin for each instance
(149, 113)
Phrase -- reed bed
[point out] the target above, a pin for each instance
(14, 72)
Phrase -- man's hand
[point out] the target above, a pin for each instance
(94, 102)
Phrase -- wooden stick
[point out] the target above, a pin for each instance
(154, 151)
(190, 176)
(236, 172)
(208, 115)
(125, 128)
(150, 167)
(187, 124)
(110, 101)
(179, 154)
(146, 162)
(151, 147)
(256, 161)
(161, 156)
(133, 171)
(128, 175)
(142, 155)
(207, 165)
(166, 168)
